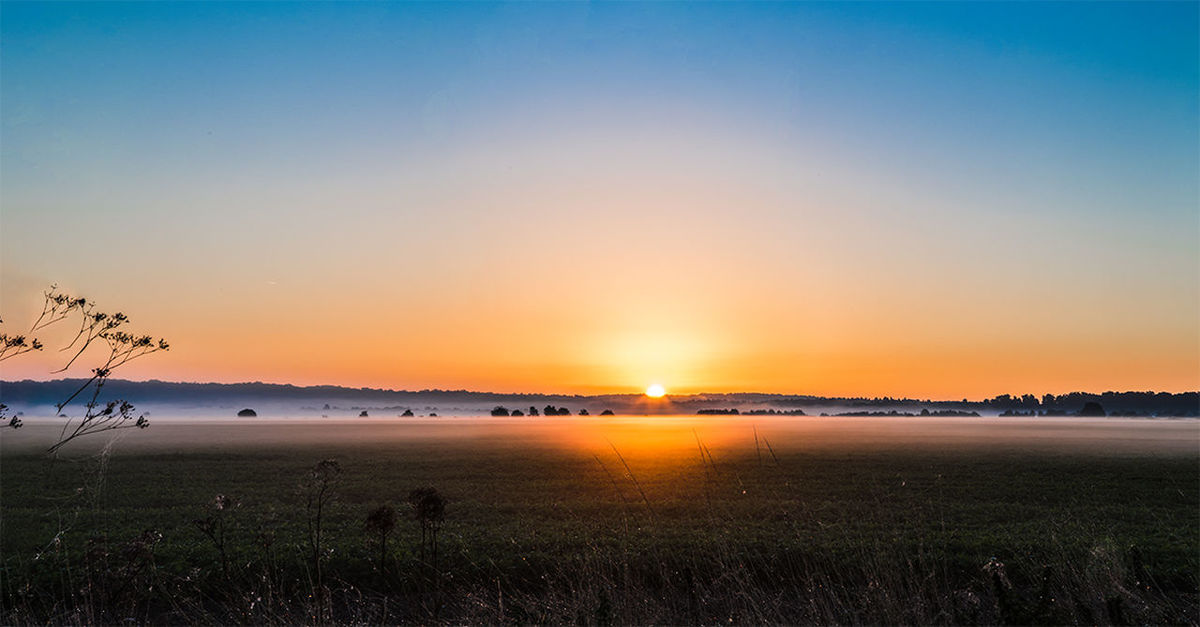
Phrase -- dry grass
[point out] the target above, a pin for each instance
(536, 534)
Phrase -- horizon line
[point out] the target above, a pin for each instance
(576, 395)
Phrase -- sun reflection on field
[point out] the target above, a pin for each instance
(661, 437)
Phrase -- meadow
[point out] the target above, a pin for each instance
(647, 520)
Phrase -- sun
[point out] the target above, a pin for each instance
(656, 391)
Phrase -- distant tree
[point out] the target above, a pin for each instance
(1092, 408)
(247, 413)
(517, 412)
(408, 413)
(607, 412)
(533, 411)
(550, 410)
(362, 414)
(500, 411)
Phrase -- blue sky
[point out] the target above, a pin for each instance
(841, 153)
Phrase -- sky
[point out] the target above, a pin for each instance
(857, 199)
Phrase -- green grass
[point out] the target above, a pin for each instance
(552, 534)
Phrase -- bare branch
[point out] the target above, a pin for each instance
(13, 345)
(123, 347)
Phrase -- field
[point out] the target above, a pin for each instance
(672, 520)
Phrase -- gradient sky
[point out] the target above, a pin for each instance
(929, 200)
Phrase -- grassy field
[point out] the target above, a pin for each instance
(620, 525)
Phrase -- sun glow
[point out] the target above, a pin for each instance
(656, 391)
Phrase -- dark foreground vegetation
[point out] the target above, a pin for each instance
(509, 532)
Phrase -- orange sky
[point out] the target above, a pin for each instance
(579, 346)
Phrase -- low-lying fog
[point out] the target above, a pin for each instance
(728, 434)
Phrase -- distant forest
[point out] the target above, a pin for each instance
(31, 393)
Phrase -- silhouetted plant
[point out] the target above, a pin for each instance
(213, 527)
(113, 578)
(499, 411)
(429, 509)
(263, 539)
(13, 345)
(6, 420)
(94, 327)
(381, 521)
(318, 487)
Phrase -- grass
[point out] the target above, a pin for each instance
(540, 533)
